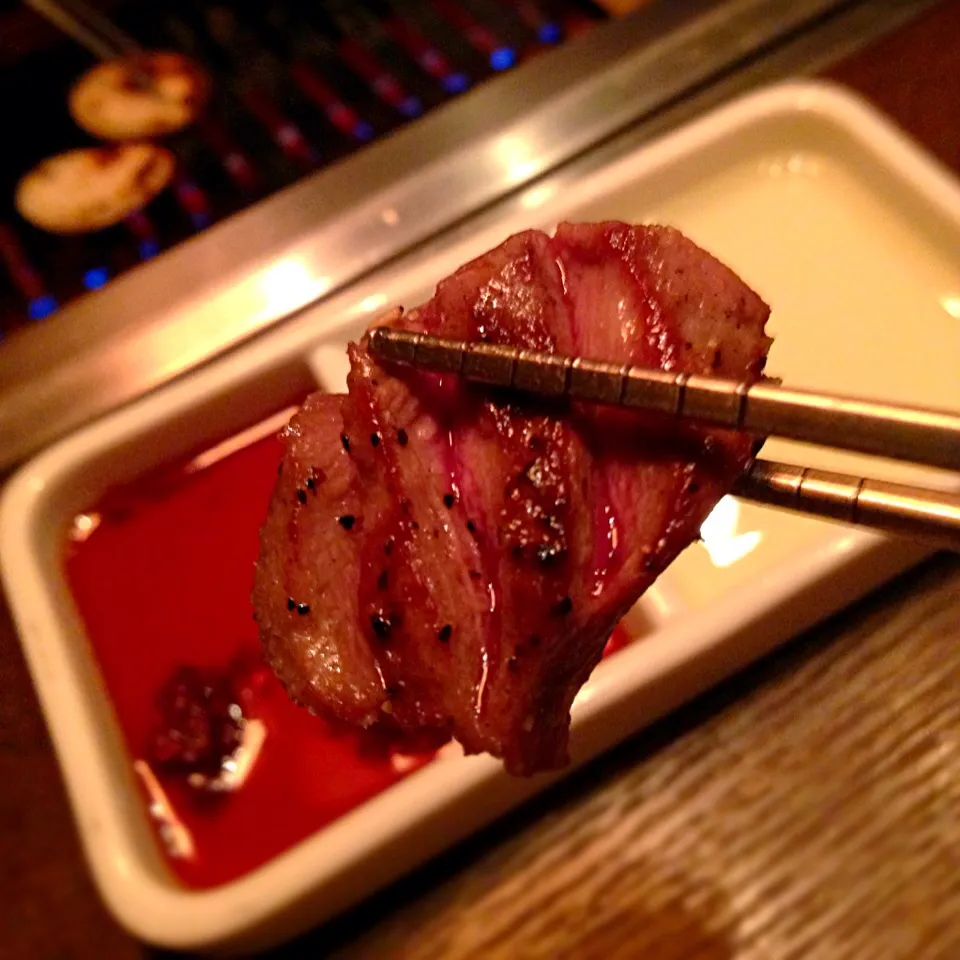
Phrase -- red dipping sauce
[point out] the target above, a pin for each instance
(161, 573)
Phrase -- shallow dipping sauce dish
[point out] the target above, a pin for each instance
(217, 815)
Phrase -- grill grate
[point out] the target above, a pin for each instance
(296, 87)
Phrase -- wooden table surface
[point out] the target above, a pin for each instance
(809, 808)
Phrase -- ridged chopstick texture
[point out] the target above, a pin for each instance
(929, 437)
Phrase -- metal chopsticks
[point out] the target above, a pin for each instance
(763, 409)
(93, 30)
(891, 507)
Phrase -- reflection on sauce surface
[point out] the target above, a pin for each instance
(162, 580)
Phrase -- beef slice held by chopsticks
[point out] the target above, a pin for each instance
(444, 557)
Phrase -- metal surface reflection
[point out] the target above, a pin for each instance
(290, 283)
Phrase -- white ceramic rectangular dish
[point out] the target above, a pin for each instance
(846, 228)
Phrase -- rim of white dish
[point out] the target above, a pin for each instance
(153, 906)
